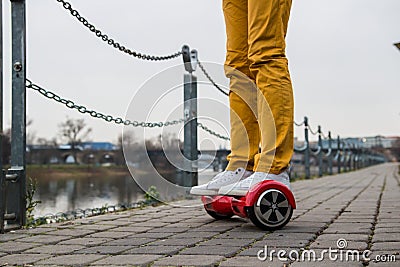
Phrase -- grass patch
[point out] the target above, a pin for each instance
(74, 171)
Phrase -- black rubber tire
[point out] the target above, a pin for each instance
(218, 216)
(270, 226)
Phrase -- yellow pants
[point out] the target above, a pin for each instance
(261, 95)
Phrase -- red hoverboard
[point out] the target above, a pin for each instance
(269, 205)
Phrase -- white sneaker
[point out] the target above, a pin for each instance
(221, 179)
(242, 187)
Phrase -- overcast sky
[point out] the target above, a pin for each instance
(344, 67)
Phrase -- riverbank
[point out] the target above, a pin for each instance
(75, 171)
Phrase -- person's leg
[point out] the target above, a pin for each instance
(245, 132)
(245, 137)
(267, 26)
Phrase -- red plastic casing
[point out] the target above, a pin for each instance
(258, 189)
(229, 205)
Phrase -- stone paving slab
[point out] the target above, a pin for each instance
(22, 259)
(386, 246)
(70, 260)
(85, 241)
(158, 250)
(352, 245)
(129, 242)
(282, 243)
(327, 263)
(245, 261)
(360, 207)
(12, 236)
(44, 239)
(70, 232)
(386, 237)
(226, 251)
(127, 260)
(55, 249)
(189, 260)
(13, 247)
(103, 250)
(349, 237)
(187, 242)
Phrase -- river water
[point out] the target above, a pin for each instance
(68, 194)
(61, 195)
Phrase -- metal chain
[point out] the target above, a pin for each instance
(324, 136)
(311, 131)
(205, 128)
(82, 109)
(211, 79)
(111, 41)
(299, 124)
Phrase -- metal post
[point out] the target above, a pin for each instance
(339, 156)
(320, 171)
(344, 157)
(356, 158)
(351, 163)
(16, 190)
(2, 201)
(1, 81)
(2, 178)
(307, 151)
(362, 157)
(190, 151)
(330, 154)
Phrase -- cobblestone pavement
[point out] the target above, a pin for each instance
(361, 209)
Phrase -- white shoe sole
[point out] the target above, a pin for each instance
(203, 192)
(239, 192)
(233, 192)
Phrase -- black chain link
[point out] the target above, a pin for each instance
(211, 79)
(84, 110)
(311, 131)
(324, 136)
(111, 41)
(205, 128)
(299, 124)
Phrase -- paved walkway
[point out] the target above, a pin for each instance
(360, 208)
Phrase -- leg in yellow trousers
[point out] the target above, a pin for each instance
(261, 119)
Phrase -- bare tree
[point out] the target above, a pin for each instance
(127, 143)
(165, 141)
(47, 142)
(30, 134)
(74, 132)
(127, 140)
